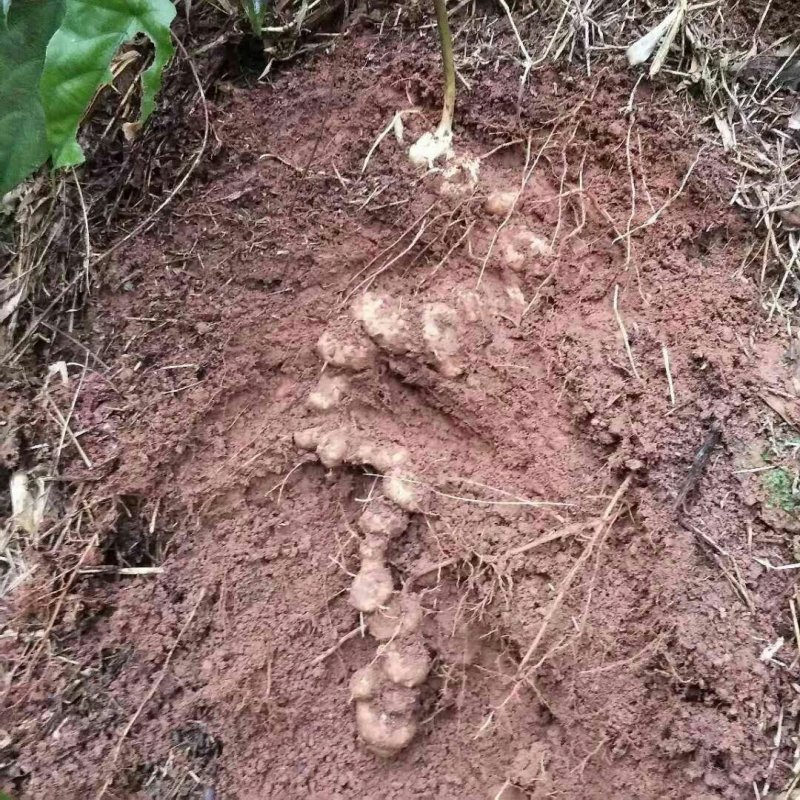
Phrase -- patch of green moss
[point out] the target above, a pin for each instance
(777, 484)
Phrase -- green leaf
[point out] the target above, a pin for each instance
(78, 59)
(23, 38)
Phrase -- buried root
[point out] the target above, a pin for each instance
(386, 691)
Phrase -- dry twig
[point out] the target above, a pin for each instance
(601, 525)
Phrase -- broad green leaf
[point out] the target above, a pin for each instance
(78, 59)
(23, 39)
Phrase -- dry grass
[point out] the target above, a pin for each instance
(743, 82)
(55, 233)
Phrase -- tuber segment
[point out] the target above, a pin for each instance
(383, 733)
(332, 449)
(470, 304)
(460, 177)
(406, 663)
(401, 617)
(521, 249)
(382, 458)
(381, 518)
(499, 204)
(398, 700)
(365, 683)
(431, 146)
(353, 355)
(403, 490)
(440, 332)
(515, 304)
(328, 393)
(372, 586)
(383, 320)
(373, 548)
(308, 439)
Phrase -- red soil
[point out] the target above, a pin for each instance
(647, 682)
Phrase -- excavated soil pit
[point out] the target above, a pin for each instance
(523, 411)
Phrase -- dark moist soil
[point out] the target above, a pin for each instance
(201, 681)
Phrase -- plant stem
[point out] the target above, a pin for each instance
(446, 38)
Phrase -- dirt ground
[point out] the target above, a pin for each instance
(589, 412)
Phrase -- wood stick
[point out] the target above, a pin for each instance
(449, 106)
